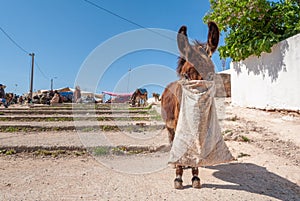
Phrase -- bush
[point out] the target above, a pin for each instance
(253, 27)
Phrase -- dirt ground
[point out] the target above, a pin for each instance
(265, 144)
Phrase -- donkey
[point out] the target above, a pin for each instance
(194, 63)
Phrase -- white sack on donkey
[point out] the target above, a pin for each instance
(198, 140)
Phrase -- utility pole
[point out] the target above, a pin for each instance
(129, 71)
(51, 86)
(31, 78)
(223, 64)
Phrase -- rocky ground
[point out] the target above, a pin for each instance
(120, 154)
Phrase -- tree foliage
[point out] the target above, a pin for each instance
(252, 27)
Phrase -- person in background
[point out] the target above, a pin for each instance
(21, 100)
(56, 98)
(77, 95)
(2, 95)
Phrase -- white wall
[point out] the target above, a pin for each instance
(271, 81)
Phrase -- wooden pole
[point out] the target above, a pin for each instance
(31, 78)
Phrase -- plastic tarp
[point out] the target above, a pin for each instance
(198, 140)
(142, 90)
(67, 94)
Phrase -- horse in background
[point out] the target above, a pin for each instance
(194, 63)
(139, 97)
(156, 97)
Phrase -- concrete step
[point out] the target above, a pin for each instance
(75, 140)
(41, 118)
(69, 112)
(132, 126)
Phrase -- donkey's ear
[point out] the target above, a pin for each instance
(183, 42)
(213, 38)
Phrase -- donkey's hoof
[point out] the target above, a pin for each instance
(178, 183)
(196, 182)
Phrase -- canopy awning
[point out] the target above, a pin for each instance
(116, 94)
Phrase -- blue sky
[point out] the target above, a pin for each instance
(63, 33)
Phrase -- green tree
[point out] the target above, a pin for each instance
(252, 27)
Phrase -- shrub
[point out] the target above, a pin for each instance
(253, 27)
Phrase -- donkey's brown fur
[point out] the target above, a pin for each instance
(194, 64)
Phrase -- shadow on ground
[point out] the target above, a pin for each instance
(255, 179)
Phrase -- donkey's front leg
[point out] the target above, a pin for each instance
(195, 179)
(178, 180)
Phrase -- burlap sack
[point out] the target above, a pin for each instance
(198, 140)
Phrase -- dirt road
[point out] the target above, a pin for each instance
(265, 144)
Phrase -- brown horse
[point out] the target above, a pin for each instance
(139, 97)
(194, 63)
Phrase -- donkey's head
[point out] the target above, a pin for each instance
(195, 60)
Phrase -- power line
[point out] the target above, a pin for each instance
(112, 13)
(22, 49)
(13, 41)
(125, 19)
(43, 74)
